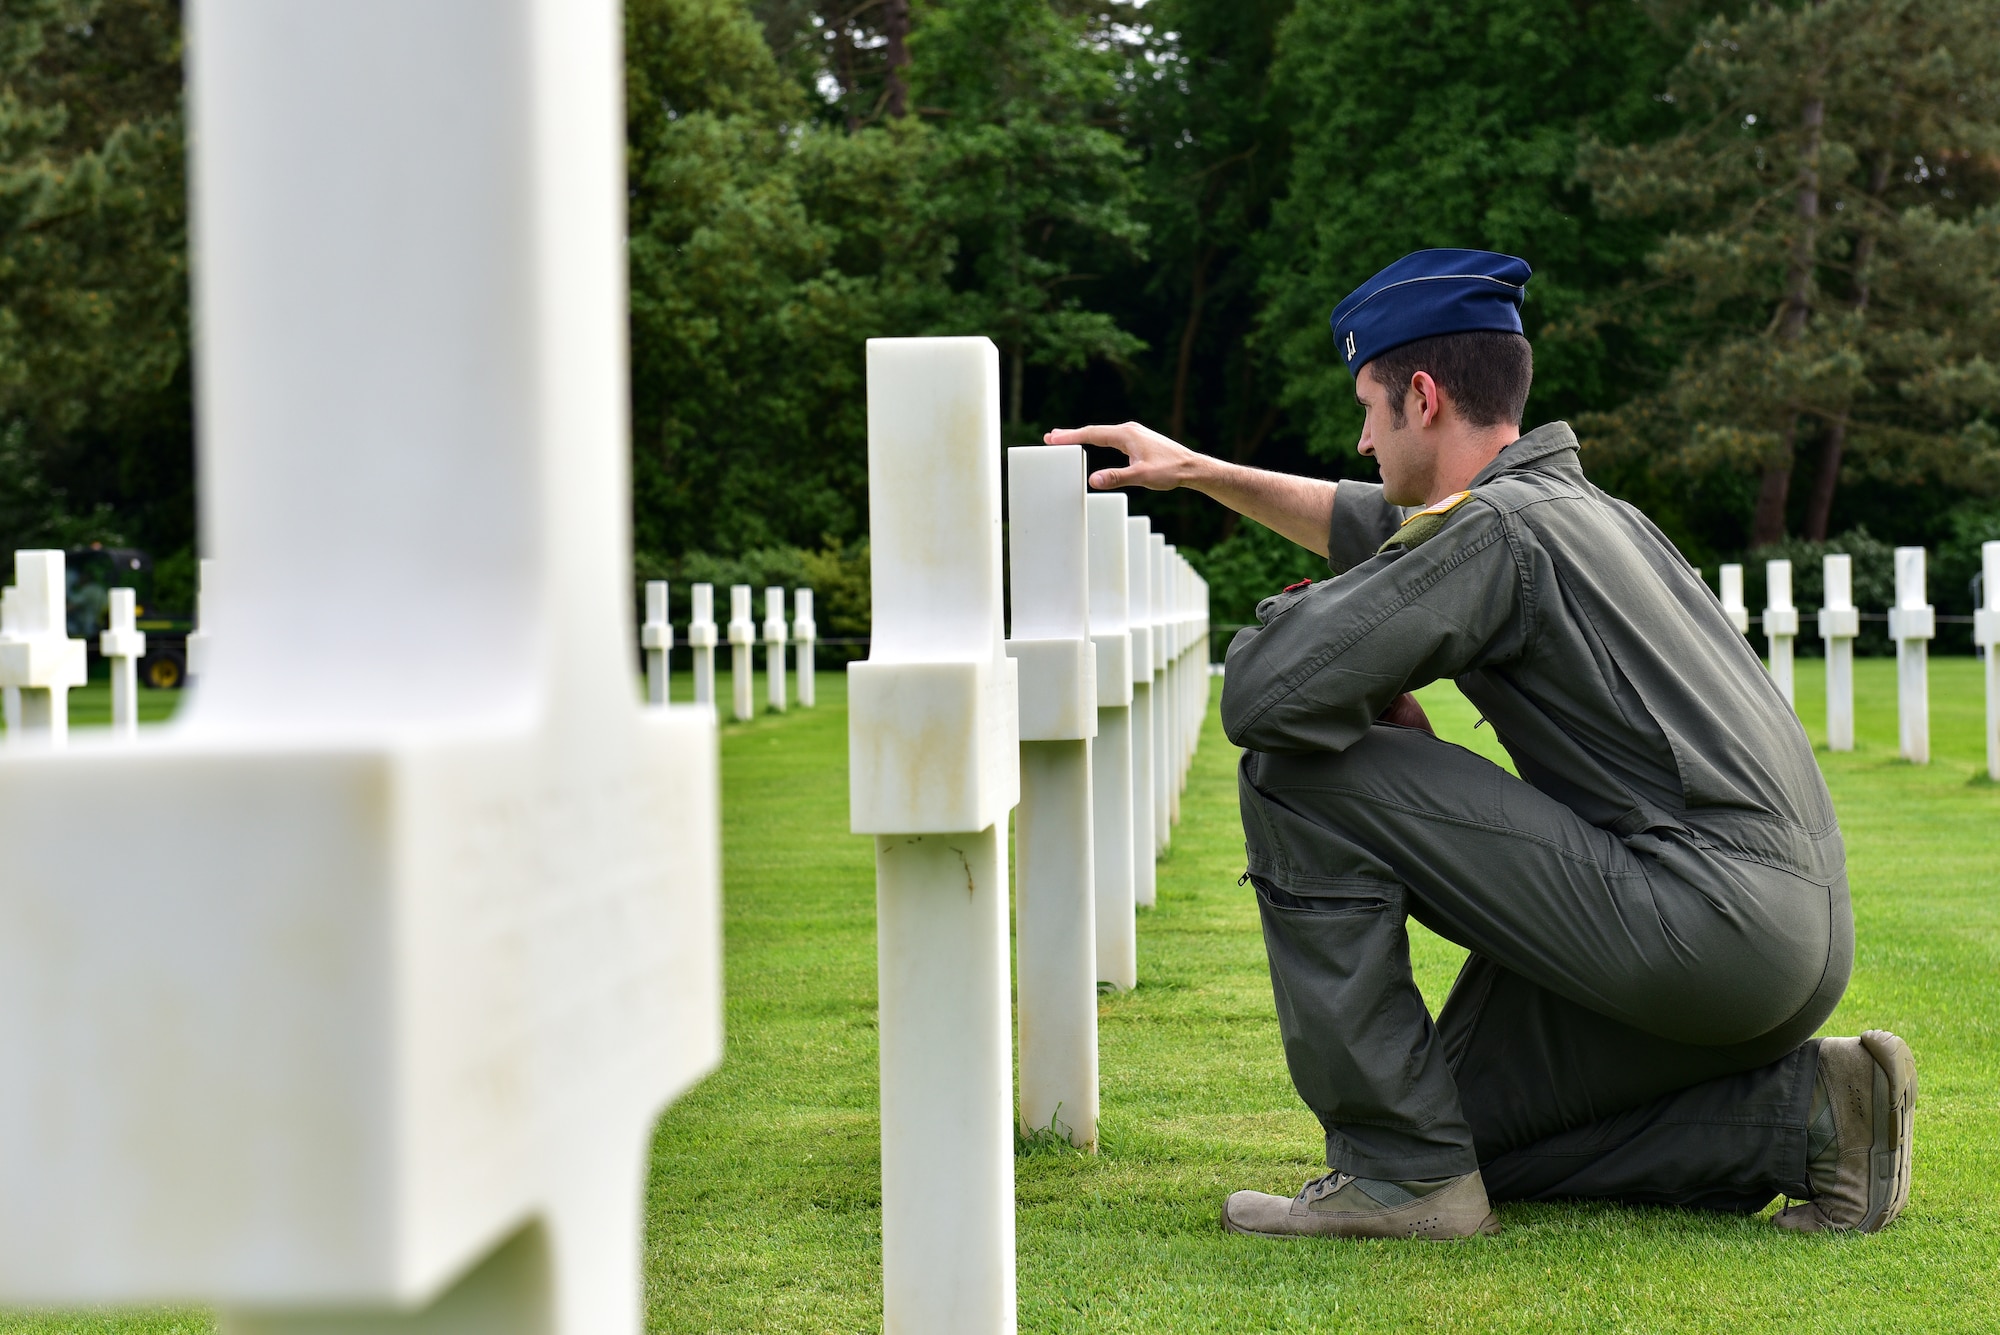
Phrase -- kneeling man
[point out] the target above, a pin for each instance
(1656, 908)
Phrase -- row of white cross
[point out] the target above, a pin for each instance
(1912, 625)
(1086, 718)
(656, 637)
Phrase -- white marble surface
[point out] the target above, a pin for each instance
(38, 659)
(389, 966)
(933, 769)
(1912, 625)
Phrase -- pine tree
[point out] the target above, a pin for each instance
(1830, 276)
(95, 420)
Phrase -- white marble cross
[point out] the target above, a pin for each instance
(1912, 625)
(1048, 561)
(201, 639)
(1732, 599)
(1986, 634)
(805, 635)
(1161, 614)
(10, 696)
(1111, 751)
(656, 638)
(933, 769)
(702, 640)
(774, 647)
(1146, 642)
(742, 650)
(1781, 623)
(348, 1000)
(1839, 623)
(123, 644)
(38, 658)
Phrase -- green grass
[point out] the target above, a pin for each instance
(765, 1203)
(764, 1200)
(90, 706)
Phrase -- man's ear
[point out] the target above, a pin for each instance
(1430, 399)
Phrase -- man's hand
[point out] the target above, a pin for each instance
(1153, 461)
(1298, 507)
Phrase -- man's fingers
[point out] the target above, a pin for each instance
(1113, 437)
(1110, 479)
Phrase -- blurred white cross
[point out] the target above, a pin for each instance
(348, 1001)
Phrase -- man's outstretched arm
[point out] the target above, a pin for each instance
(1301, 508)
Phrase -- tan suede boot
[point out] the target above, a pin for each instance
(1340, 1205)
(1863, 1182)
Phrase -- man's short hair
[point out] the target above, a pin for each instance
(1487, 373)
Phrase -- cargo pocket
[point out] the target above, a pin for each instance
(1354, 1025)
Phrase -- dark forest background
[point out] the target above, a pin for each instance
(1766, 240)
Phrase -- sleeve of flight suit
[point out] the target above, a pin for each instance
(1361, 521)
(1328, 658)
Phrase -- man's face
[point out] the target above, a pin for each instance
(1405, 452)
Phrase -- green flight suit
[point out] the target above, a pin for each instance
(1657, 908)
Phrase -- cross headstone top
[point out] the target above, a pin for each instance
(1732, 598)
(10, 696)
(1839, 623)
(371, 1001)
(123, 644)
(742, 644)
(805, 633)
(1986, 634)
(656, 638)
(38, 658)
(1111, 751)
(774, 647)
(932, 771)
(701, 639)
(1781, 623)
(1912, 625)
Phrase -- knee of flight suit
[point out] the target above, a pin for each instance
(1357, 1036)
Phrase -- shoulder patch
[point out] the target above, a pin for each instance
(1422, 526)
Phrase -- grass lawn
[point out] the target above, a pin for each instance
(90, 706)
(764, 1200)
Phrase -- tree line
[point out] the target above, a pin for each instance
(1766, 241)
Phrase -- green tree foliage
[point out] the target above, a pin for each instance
(765, 248)
(770, 239)
(1417, 124)
(1038, 192)
(94, 404)
(1214, 150)
(1829, 281)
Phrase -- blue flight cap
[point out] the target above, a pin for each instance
(1426, 293)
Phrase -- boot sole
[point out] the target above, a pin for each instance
(1895, 1119)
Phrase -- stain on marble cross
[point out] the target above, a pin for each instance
(347, 1001)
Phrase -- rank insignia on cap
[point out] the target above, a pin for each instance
(1428, 293)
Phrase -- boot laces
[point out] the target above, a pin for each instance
(1322, 1187)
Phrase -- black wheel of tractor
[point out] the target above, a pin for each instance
(164, 671)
